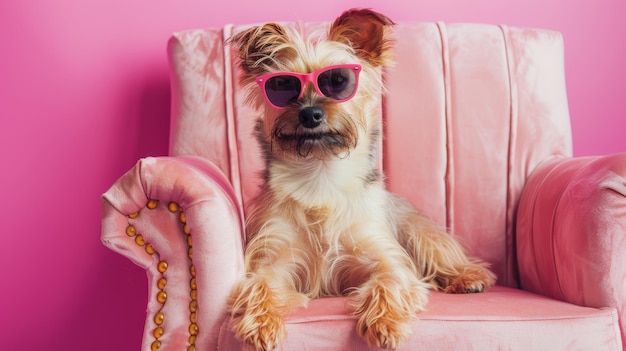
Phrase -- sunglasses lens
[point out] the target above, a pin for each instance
(281, 90)
(337, 83)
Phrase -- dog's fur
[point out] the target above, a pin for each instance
(323, 223)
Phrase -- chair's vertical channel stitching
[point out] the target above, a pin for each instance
(231, 123)
(449, 175)
(511, 259)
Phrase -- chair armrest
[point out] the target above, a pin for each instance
(179, 219)
(571, 232)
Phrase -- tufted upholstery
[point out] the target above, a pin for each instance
(476, 134)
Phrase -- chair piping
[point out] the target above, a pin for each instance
(449, 174)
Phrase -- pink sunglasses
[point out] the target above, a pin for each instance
(338, 82)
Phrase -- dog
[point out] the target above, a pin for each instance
(323, 223)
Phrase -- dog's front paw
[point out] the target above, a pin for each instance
(262, 332)
(386, 311)
(257, 315)
(474, 278)
(385, 332)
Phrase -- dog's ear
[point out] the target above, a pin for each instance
(259, 47)
(368, 32)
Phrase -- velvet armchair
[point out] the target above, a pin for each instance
(476, 134)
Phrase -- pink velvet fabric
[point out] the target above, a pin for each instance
(476, 134)
(214, 218)
(572, 231)
(500, 319)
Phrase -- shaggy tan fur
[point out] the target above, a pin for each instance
(323, 224)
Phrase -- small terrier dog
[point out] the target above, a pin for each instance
(323, 223)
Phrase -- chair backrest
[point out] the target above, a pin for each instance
(470, 111)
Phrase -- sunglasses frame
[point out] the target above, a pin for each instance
(312, 77)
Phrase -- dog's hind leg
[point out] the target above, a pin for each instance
(438, 257)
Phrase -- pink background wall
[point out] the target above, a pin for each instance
(84, 93)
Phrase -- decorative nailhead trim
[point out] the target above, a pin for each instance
(150, 249)
(156, 344)
(152, 204)
(139, 240)
(158, 332)
(161, 295)
(193, 304)
(173, 207)
(162, 266)
(159, 318)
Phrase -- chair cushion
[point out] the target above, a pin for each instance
(501, 318)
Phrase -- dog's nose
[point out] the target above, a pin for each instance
(311, 117)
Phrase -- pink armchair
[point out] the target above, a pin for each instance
(477, 135)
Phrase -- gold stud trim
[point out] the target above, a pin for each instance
(139, 240)
(193, 306)
(193, 294)
(159, 318)
(161, 283)
(152, 204)
(161, 295)
(158, 332)
(162, 266)
(131, 231)
(156, 344)
(173, 207)
(150, 249)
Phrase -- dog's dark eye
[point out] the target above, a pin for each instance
(281, 90)
(338, 83)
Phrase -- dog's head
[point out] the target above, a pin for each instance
(319, 92)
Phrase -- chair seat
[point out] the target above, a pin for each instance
(499, 319)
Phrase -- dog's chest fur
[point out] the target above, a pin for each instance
(317, 183)
(328, 204)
